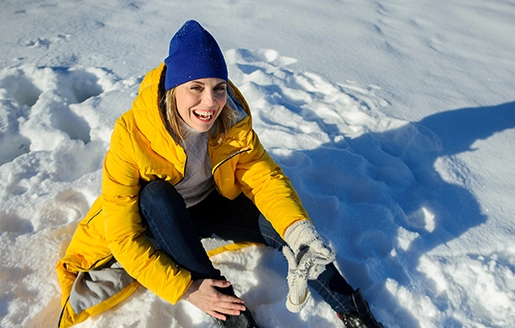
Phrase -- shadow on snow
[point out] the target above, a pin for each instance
(382, 201)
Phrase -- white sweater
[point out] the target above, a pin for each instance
(197, 182)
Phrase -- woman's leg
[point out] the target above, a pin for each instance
(240, 220)
(177, 229)
(171, 227)
(169, 222)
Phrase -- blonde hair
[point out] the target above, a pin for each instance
(217, 133)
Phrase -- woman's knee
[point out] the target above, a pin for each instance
(158, 191)
(160, 199)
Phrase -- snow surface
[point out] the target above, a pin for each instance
(394, 119)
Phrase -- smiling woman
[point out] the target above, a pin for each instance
(199, 103)
(184, 163)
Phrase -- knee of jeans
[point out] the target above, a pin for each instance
(157, 191)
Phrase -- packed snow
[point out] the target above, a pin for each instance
(394, 120)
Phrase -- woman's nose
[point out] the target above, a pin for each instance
(209, 98)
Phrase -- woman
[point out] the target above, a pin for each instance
(184, 164)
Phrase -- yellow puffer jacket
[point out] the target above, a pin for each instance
(142, 149)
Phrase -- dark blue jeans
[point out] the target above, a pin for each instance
(177, 230)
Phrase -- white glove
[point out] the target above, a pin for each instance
(307, 257)
(298, 292)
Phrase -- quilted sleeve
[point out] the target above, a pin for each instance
(124, 230)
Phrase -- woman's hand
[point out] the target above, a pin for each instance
(203, 294)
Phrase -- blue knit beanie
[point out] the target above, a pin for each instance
(194, 54)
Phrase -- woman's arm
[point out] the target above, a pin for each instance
(124, 230)
(263, 181)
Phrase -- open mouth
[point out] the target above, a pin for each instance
(204, 116)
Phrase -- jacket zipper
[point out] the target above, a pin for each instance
(225, 160)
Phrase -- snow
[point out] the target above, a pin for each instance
(395, 121)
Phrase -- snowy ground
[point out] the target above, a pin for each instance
(395, 121)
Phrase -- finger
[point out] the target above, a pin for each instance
(217, 315)
(220, 283)
(230, 302)
(230, 310)
(221, 296)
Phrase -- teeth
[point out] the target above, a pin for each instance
(204, 115)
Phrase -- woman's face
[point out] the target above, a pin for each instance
(199, 102)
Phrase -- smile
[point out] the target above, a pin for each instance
(204, 116)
